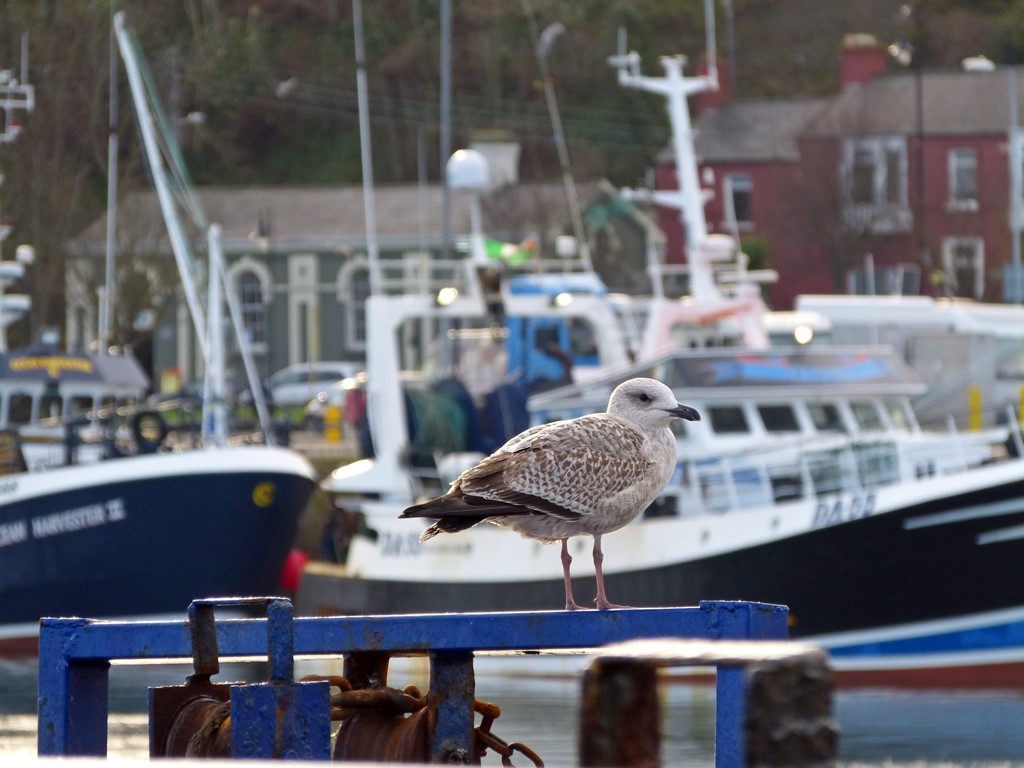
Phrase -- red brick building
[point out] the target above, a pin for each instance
(898, 183)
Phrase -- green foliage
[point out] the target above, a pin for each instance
(758, 251)
(276, 85)
(1009, 32)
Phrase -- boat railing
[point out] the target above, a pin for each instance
(423, 276)
(107, 432)
(542, 266)
(1016, 429)
(760, 477)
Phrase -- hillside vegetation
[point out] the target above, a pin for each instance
(275, 83)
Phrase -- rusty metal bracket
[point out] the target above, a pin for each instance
(280, 718)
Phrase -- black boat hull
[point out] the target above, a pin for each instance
(943, 575)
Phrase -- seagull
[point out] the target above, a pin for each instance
(586, 476)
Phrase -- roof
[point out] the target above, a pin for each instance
(44, 364)
(753, 131)
(952, 102)
(334, 217)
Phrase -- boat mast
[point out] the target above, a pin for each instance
(365, 151)
(688, 199)
(709, 304)
(207, 333)
(106, 319)
(179, 243)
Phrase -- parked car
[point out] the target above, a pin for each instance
(297, 384)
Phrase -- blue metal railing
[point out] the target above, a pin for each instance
(75, 656)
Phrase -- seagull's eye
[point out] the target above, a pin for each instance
(644, 398)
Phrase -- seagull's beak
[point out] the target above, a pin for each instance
(684, 412)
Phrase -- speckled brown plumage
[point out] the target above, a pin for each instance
(585, 476)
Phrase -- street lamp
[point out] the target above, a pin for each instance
(542, 46)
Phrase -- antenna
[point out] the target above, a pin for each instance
(24, 57)
(14, 95)
(623, 60)
(710, 45)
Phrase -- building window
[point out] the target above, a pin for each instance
(862, 187)
(737, 189)
(963, 261)
(901, 279)
(353, 288)
(963, 179)
(251, 282)
(254, 308)
(874, 173)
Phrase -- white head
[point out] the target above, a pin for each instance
(648, 402)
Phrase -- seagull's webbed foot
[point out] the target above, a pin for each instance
(604, 605)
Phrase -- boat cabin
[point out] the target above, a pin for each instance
(41, 383)
(784, 425)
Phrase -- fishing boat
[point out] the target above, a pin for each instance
(101, 514)
(104, 514)
(809, 482)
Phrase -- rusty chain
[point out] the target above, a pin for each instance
(348, 701)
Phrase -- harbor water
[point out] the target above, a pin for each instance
(878, 727)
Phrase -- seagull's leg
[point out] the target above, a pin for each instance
(602, 598)
(570, 604)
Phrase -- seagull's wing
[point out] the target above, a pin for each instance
(564, 469)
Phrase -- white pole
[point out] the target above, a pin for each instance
(366, 154)
(215, 422)
(107, 297)
(179, 245)
(711, 45)
(1016, 192)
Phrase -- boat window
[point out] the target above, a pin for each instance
(20, 408)
(727, 419)
(826, 417)
(678, 427)
(750, 487)
(877, 464)
(898, 415)
(1010, 359)
(829, 472)
(778, 418)
(80, 404)
(867, 415)
(50, 406)
(786, 481)
(663, 506)
(713, 487)
(108, 402)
